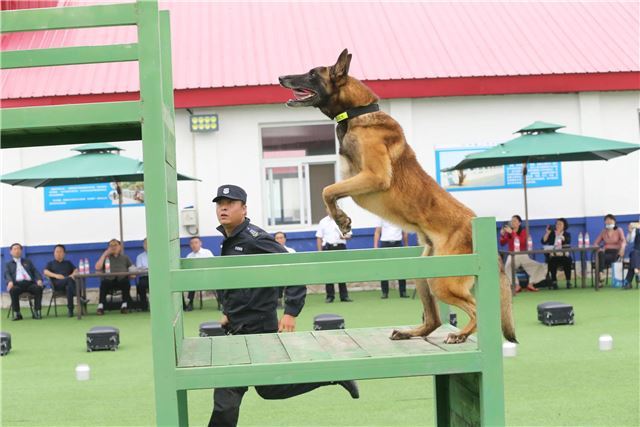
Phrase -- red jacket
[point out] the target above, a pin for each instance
(510, 237)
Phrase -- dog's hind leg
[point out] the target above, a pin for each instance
(431, 315)
(457, 291)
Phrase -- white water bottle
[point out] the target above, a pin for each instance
(107, 266)
(81, 266)
(516, 244)
(587, 242)
(558, 242)
(87, 267)
(580, 240)
(529, 243)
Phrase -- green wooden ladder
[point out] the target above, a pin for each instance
(468, 377)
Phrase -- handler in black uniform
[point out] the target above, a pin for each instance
(253, 311)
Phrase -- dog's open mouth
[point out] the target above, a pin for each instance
(302, 96)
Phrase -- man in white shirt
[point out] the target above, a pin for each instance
(142, 287)
(389, 235)
(329, 238)
(197, 251)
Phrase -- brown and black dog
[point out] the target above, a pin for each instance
(381, 173)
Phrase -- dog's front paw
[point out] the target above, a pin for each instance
(344, 223)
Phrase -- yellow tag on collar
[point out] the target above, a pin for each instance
(342, 116)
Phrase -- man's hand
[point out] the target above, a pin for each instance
(224, 321)
(39, 282)
(59, 276)
(287, 323)
(9, 286)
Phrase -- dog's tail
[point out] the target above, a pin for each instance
(508, 328)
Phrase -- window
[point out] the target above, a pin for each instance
(299, 161)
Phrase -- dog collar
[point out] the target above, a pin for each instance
(357, 111)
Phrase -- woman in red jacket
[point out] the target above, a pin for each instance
(537, 271)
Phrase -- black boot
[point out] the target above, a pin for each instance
(37, 315)
(352, 387)
(17, 315)
(69, 312)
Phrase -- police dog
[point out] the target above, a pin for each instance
(381, 173)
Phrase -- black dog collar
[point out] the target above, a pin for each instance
(357, 111)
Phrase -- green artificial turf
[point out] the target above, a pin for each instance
(559, 376)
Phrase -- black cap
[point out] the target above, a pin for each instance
(232, 192)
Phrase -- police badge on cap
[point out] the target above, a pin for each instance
(231, 192)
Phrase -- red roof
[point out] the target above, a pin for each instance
(228, 53)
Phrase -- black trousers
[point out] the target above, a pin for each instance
(342, 287)
(610, 256)
(68, 285)
(634, 262)
(142, 287)
(402, 283)
(559, 261)
(119, 283)
(22, 287)
(226, 401)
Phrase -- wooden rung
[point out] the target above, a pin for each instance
(69, 56)
(322, 272)
(58, 116)
(301, 257)
(68, 17)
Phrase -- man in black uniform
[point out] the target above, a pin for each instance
(253, 311)
(61, 272)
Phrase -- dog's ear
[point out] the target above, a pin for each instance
(341, 69)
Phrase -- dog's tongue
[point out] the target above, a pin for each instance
(302, 93)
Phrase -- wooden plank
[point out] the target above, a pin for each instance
(339, 344)
(196, 352)
(69, 56)
(303, 347)
(464, 399)
(266, 348)
(229, 350)
(376, 342)
(68, 17)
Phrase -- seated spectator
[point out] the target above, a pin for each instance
(281, 238)
(21, 276)
(197, 251)
(551, 238)
(119, 263)
(537, 271)
(614, 244)
(634, 257)
(142, 264)
(61, 272)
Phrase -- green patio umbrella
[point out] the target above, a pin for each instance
(539, 142)
(96, 163)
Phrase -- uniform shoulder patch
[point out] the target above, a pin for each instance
(254, 233)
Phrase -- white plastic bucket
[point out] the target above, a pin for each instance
(509, 349)
(606, 342)
(83, 372)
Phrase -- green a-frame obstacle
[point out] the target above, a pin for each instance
(468, 377)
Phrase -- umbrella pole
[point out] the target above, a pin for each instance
(526, 202)
(119, 191)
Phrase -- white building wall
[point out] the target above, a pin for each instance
(233, 155)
